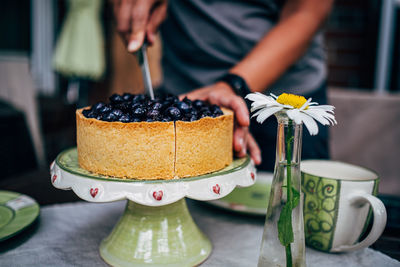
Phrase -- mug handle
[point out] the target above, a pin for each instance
(378, 226)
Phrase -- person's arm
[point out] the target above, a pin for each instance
(284, 44)
(268, 60)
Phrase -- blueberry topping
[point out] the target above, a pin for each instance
(127, 96)
(149, 103)
(172, 99)
(116, 98)
(96, 107)
(183, 106)
(118, 113)
(109, 117)
(205, 113)
(153, 114)
(92, 114)
(138, 98)
(204, 109)
(166, 103)
(135, 108)
(213, 108)
(193, 112)
(174, 113)
(105, 109)
(132, 106)
(157, 106)
(198, 104)
(125, 106)
(125, 118)
(217, 113)
(139, 112)
(86, 112)
(187, 101)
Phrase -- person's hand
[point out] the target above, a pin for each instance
(139, 19)
(221, 94)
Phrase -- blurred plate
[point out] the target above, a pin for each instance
(250, 200)
(17, 212)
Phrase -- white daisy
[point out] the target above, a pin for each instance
(296, 107)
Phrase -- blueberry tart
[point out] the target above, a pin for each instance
(135, 137)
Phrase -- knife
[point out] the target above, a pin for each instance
(144, 65)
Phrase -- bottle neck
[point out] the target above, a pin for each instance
(289, 138)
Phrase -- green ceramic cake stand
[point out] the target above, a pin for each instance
(156, 228)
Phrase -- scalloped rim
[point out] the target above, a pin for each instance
(147, 192)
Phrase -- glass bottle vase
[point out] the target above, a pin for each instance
(287, 171)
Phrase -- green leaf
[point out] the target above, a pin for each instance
(285, 231)
(296, 198)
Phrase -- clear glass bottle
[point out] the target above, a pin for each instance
(287, 170)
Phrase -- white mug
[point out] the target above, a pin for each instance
(338, 199)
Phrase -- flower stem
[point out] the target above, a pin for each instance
(289, 140)
(288, 256)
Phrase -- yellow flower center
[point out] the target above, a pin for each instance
(295, 101)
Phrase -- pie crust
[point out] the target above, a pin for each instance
(155, 150)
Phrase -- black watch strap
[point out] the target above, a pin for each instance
(237, 83)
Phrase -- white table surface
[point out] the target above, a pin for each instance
(70, 234)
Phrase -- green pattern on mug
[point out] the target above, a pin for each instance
(321, 200)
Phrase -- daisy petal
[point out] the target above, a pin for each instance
(324, 107)
(254, 108)
(293, 114)
(257, 113)
(324, 112)
(266, 113)
(258, 97)
(274, 96)
(306, 104)
(310, 123)
(288, 106)
(330, 117)
(300, 117)
(257, 107)
(261, 101)
(317, 116)
(313, 104)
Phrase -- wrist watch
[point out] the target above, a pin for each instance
(237, 83)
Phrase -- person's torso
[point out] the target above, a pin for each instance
(203, 39)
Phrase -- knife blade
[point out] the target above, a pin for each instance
(144, 66)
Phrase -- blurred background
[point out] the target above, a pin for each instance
(41, 85)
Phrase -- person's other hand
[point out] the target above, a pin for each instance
(221, 94)
(139, 19)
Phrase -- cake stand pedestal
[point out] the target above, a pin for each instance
(156, 228)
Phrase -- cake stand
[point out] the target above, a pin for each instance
(156, 228)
